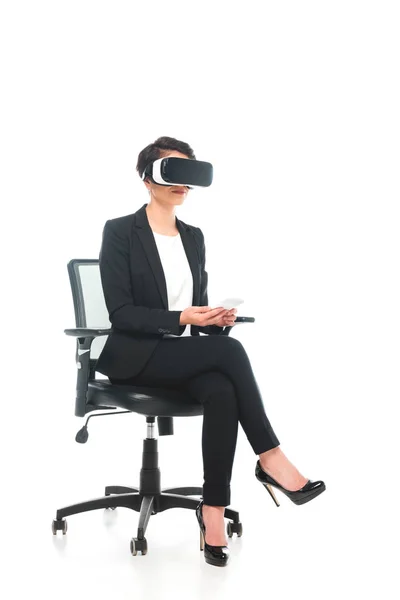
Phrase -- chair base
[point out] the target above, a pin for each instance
(148, 500)
(146, 505)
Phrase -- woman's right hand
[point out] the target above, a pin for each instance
(201, 315)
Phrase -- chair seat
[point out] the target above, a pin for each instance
(149, 401)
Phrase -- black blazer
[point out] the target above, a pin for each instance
(136, 294)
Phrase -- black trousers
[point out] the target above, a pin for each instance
(216, 371)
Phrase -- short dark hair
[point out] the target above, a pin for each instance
(157, 149)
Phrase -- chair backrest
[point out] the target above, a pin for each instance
(89, 303)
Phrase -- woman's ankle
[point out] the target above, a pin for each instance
(213, 509)
(270, 457)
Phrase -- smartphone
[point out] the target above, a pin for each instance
(229, 303)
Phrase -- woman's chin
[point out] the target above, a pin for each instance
(178, 198)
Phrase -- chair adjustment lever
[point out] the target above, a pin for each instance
(83, 434)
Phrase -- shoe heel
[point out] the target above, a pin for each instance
(271, 493)
(201, 541)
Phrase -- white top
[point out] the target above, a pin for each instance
(178, 276)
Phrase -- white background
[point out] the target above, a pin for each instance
(296, 104)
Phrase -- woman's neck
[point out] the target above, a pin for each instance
(161, 219)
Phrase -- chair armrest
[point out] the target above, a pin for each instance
(84, 338)
(87, 331)
(244, 320)
(238, 320)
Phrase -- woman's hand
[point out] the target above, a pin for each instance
(227, 319)
(205, 315)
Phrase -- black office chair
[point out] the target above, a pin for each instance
(93, 394)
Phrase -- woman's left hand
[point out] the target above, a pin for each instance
(228, 318)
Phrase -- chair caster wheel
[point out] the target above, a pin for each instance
(59, 525)
(138, 546)
(234, 528)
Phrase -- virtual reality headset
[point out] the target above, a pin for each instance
(179, 171)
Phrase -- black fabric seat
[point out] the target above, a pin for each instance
(149, 401)
(93, 395)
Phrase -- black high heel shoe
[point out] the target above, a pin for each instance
(310, 490)
(213, 555)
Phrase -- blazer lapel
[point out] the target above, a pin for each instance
(146, 237)
(189, 244)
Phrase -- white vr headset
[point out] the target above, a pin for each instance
(172, 170)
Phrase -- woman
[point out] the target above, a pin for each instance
(155, 285)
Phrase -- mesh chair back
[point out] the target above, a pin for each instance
(89, 303)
